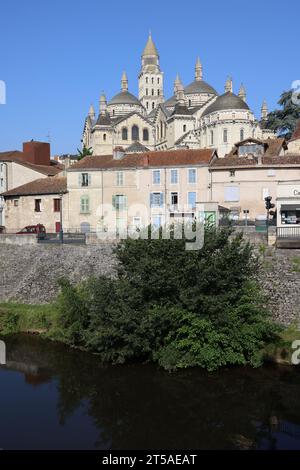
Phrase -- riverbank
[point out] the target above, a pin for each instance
(41, 320)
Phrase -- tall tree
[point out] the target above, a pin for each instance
(283, 121)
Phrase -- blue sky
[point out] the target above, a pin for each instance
(56, 57)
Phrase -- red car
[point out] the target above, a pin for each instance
(39, 229)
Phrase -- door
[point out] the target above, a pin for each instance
(57, 227)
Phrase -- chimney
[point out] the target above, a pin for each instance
(118, 153)
(37, 153)
(145, 160)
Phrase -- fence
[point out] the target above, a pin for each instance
(288, 232)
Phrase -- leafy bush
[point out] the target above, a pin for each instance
(176, 307)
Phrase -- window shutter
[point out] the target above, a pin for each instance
(114, 202)
(125, 202)
(79, 179)
(151, 200)
(90, 179)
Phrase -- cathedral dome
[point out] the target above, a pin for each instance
(124, 97)
(199, 86)
(227, 101)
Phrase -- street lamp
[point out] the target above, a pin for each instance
(61, 232)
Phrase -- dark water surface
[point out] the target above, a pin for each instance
(56, 398)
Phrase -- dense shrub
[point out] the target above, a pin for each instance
(177, 307)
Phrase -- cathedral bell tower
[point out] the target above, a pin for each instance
(151, 91)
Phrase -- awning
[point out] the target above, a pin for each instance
(290, 207)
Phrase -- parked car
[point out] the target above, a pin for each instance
(38, 229)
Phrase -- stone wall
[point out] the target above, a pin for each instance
(29, 274)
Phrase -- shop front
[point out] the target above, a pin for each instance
(288, 214)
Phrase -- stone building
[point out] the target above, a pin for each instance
(194, 117)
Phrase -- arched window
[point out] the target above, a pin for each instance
(190, 103)
(113, 112)
(225, 136)
(184, 127)
(153, 105)
(146, 79)
(124, 133)
(146, 91)
(152, 92)
(147, 104)
(158, 92)
(158, 80)
(145, 134)
(211, 137)
(152, 80)
(135, 133)
(161, 129)
(242, 134)
(104, 137)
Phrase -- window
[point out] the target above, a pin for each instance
(158, 92)
(192, 175)
(231, 172)
(174, 200)
(147, 104)
(84, 204)
(232, 194)
(16, 202)
(84, 179)
(156, 199)
(242, 134)
(56, 205)
(119, 202)
(156, 177)
(120, 178)
(146, 79)
(190, 103)
(158, 80)
(156, 221)
(85, 227)
(145, 134)
(184, 128)
(37, 205)
(124, 133)
(152, 80)
(174, 176)
(152, 92)
(225, 136)
(153, 105)
(271, 172)
(104, 137)
(192, 200)
(135, 133)
(136, 222)
(211, 137)
(146, 91)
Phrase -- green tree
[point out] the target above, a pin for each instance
(283, 121)
(85, 152)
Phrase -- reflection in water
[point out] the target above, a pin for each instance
(53, 397)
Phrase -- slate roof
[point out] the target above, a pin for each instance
(52, 185)
(199, 86)
(226, 101)
(124, 97)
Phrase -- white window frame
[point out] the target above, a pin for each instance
(188, 202)
(163, 199)
(174, 192)
(188, 175)
(227, 198)
(271, 172)
(153, 173)
(120, 178)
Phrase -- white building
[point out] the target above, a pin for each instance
(194, 117)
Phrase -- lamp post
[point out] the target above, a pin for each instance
(61, 232)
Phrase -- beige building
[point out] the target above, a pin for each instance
(37, 202)
(18, 168)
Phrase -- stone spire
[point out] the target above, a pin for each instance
(228, 85)
(180, 94)
(177, 84)
(242, 93)
(198, 70)
(92, 113)
(124, 82)
(264, 111)
(150, 48)
(102, 104)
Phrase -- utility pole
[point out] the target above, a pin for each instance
(61, 232)
(269, 205)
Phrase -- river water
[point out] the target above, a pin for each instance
(56, 398)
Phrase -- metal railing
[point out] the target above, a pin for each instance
(288, 232)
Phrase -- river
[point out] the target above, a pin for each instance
(56, 398)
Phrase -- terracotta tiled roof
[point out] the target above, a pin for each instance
(296, 133)
(272, 146)
(41, 186)
(244, 162)
(146, 159)
(17, 157)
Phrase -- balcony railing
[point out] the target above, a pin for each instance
(288, 232)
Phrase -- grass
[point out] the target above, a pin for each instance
(296, 264)
(26, 318)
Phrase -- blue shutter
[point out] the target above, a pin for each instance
(161, 199)
(151, 200)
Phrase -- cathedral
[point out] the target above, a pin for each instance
(195, 117)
